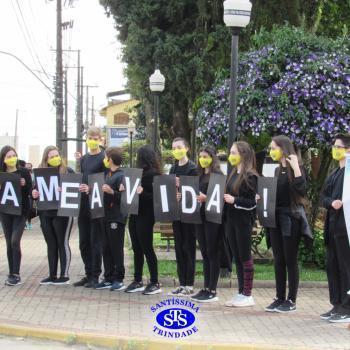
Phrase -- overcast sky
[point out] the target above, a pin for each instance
(28, 30)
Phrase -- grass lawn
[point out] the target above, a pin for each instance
(167, 268)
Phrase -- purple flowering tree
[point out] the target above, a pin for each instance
(291, 83)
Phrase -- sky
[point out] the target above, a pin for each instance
(28, 31)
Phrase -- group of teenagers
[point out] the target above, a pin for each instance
(102, 239)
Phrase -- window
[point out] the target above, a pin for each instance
(121, 119)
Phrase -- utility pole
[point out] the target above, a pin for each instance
(87, 105)
(65, 131)
(59, 77)
(80, 131)
(92, 111)
(79, 147)
(16, 132)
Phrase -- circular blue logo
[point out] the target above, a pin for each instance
(175, 318)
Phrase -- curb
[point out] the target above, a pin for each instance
(125, 343)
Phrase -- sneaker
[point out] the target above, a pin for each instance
(287, 306)
(187, 291)
(47, 280)
(13, 280)
(199, 294)
(134, 287)
(177, 292)
(340, 318)
(275, 304)
(208, 297)
(61, 281)
(348, 292)
(234, 299)
(92, 283)
(244, 301)
(29, 226)
(81, 283)
(103, 285)
(152, 288)
(118, 286)
(328, 315)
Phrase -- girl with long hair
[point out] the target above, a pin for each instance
(208, 233)
(240, 199)
(56, 229)
(141, 225)
(291, 222)
(13, 225)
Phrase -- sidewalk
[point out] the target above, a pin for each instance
(121, 320)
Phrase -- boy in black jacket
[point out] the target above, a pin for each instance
(90, 230)
(113, 243)
(184, 234)
(336, 238)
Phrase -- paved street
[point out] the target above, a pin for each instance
(65, 308)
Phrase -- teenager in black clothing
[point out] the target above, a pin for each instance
(291, 223)
(56, 229)
(113, 243)
(141, 225)
(13, 225)
(336, 237)
(90, 230)
(240, 204)
(208, 233)
(184, 234)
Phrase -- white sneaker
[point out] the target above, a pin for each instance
(235, 298)
(244, 301)
(348, 292)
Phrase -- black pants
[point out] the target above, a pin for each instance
(113, 251)
(185, 251)
(208, 235)
(141, 235)
(13, 226)
(90, 243)
(57, 230)
(238, 230)
(338, 272)
(285, 253)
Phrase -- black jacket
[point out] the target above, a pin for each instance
(189, 169)
(112, 201)
(335, 220)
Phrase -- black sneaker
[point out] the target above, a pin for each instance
(275, 304)
(287, 306)
(199, 294)
(177, 292)
(152, 288)
(48, 280)
(61, 281)
(328, 315)
(208, 297)
(134, 287)
(92, 283)
(81, 283)
(13, 280)
(118, 286)
(104, 285)
(340, 318)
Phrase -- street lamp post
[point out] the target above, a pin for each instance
(131, 128)
(156, 85)
(236, 16)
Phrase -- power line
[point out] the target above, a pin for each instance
(29, 37)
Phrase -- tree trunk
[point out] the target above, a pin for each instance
(180, 119)
(312, 14)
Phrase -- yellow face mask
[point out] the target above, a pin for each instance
(11, 161)
(276, 154)
(92, 144)
(55, 161)
(205, 162)
(338, 153)
(179, 153)
(234, 159)
(106, 163)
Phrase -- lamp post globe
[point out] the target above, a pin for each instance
(156, 85)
